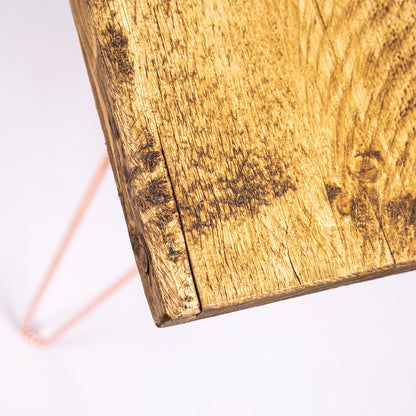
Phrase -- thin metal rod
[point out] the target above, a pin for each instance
(79, 214)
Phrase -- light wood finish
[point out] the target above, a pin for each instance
(262, 149)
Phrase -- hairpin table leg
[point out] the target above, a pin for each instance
(85, 202)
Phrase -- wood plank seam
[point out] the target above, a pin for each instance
(181, 225)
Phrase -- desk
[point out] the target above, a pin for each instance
(261, 149)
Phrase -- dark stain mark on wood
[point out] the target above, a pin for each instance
(371, 154)
(115, 49)
(403, 157)
(368, 165)
(255, 181)
(150, 160)
(165, 218)
(113, 127)
(147, 156)
(174, 253)
(360, 213)
(402, 212)
(332, 192)
(355, 206)
(157, 192)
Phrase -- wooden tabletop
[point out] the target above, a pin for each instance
(262, 149)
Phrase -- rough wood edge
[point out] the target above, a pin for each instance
(318, 286)
(156, 298)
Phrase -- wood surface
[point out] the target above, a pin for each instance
(262, 149)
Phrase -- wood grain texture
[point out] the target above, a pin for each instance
(262, 149)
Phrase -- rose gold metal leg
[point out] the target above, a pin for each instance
(79, 214)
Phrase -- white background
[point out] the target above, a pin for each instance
(348, 351)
